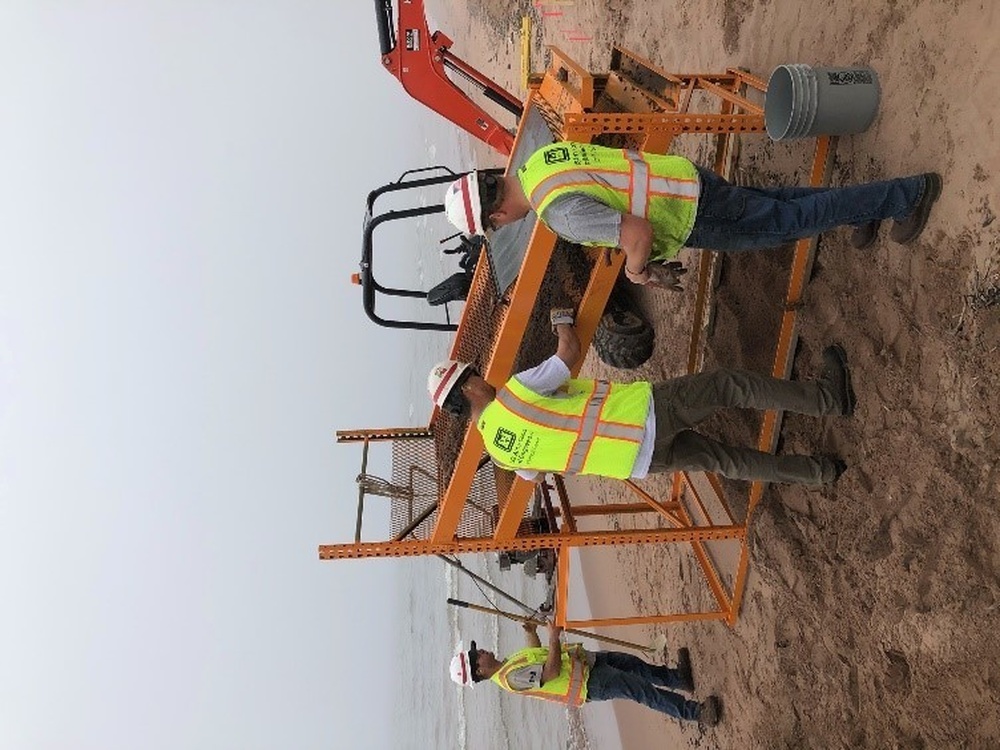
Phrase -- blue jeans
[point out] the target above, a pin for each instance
(617, 675)
(732, 218)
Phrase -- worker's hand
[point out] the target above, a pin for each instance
(561, 316)
(666, 275)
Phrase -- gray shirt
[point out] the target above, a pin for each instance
(582, 219)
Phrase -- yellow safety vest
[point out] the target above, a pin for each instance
(597, 428)
(662, 189)
(570, 687)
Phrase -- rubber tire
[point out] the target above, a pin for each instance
(623, 339)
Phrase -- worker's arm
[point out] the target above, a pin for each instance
(531, 635)
(553, 662)
(568, 348)
(588, 221)
(636, 241)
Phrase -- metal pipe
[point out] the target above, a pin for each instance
(479, 579)
(573, 631)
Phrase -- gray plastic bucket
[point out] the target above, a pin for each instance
(803, 101)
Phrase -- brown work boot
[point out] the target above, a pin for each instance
(864, 235)
(709, 711)
(836, 378)
(685, 677)
(907, 230)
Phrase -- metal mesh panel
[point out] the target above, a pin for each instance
(414, 467)
(565, 280)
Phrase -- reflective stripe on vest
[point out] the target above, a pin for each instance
(577, 680)
(639, 184)
(664, 189)
(586, 426)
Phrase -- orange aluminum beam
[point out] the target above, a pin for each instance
(595, 123)
(805, 253)
(386, 433)
(585, 93)
(513, 509)
(467, 545)
(667, 510)
(657, 143)
(707, 564)
(588, 315)
(647, 619)
(610, 509)
(562, 588)
(515, 321)
(732, 98)
(749, 79)
(702, 310)
(569, 522)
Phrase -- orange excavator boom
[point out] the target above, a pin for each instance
(420, 58)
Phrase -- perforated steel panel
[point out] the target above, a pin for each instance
(414, 466)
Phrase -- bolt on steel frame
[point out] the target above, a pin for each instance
(460, 503)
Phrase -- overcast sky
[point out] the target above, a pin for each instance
(181, 194)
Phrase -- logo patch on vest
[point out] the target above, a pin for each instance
(504, 439)
(557, 155)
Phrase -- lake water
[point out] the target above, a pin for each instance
(430, 711)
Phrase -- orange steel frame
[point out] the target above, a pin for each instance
(567, 95)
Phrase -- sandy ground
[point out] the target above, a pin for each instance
(870, 609)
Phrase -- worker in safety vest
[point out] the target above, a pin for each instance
(543, 420)
(652, 205)
(570, 675)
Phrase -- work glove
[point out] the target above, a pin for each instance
(666, 275)
(560, 316)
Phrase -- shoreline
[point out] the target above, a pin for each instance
(610, 589)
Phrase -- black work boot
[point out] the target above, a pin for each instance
(833, 468)
(907, 230)
(685, 677)
(864, 235)
(709, 712)
(837, 378)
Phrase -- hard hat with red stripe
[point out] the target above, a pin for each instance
(443, 378)
(463, 206)
(463, 666)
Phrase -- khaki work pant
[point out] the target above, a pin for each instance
(682, 403)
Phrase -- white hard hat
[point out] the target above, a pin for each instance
(462, 665)
(442, 379)
(463, 206)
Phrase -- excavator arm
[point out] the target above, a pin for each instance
(420, 59)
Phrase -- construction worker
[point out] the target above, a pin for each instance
(543, 420)
(652, 205)
(571, 675)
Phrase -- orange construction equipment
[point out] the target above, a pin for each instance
(420, 63)
(448, 499)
